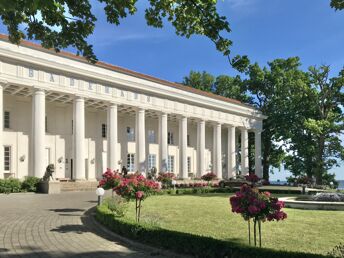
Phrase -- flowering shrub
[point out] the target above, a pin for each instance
(136, 187)
(253, 178)
(252, 204)
(209, 176)
(110, 179)
(166, 178)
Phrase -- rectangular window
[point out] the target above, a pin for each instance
(170, 138)
(151, 136)
(189, 164)
(151, 161)
(130, 134)
(188, 140)
(46, 124)
(7, 119)
(7, 158)
(170, 163)
(131, 162)
(104, 130)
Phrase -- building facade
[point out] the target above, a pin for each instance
(83, 118)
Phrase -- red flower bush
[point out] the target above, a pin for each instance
(252, 178)
(110, 179)
(252, 204)
(209, 176)
(133, 187)
(166, 179)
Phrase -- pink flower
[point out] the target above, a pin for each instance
(253, 209)
(139, 195)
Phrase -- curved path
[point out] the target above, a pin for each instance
(38, 225)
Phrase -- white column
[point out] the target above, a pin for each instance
(163, 152)
(183, 135)
(112, 137)
(231, 158)
(244, 151)
(258, 153)
(140, 141)
(38, 132)
(218, 157)
(79, 138)
(1, 130)
(201, 148)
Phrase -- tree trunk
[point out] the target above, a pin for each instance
(266, 156)
(320, 160)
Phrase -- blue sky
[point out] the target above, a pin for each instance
(262, 29)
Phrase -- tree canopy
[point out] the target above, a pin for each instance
(62, 23)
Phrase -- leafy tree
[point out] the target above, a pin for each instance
(223, 85)
(271, 89)
(202, 81)
(337, 4)
(325, 125)
(75, 22)
(231, 87)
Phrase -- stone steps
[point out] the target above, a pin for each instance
(78, 186)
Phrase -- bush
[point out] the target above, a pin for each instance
(166, 179)
(30, 184)
(117, 205)
(186, 243)
(209, 176)
(11, 185)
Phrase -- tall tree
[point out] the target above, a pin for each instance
(200, 80)
(271, 88)
(231, 87)
(322, 148)
(75, 21)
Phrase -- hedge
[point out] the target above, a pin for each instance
(196, 190)
(14, 185)
(186, 243)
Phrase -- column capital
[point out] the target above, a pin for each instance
(79, 97)
(112, 104)
(38, 90)
(3, 83)
(230, 126)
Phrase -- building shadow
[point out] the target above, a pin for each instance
(66, 210)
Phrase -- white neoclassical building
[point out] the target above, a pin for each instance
(58, 109)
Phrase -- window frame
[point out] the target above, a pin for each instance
(104, 130)
(9, 158)
(7, 119)
(130, 134)
(170, 163)
(170, 140)
(150, 163)
(131, 162)
(151, 136)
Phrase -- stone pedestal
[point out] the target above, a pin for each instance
(49, 187)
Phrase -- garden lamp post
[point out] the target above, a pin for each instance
(100, 192)
(331, 184)
(174, 182)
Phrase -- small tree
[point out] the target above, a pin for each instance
(136, 187)
(252, 204)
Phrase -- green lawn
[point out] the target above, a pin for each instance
(210, 215)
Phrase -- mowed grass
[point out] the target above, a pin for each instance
(210, 215)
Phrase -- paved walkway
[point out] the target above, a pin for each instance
(38, 225)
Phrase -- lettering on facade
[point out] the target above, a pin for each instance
(52, 78)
